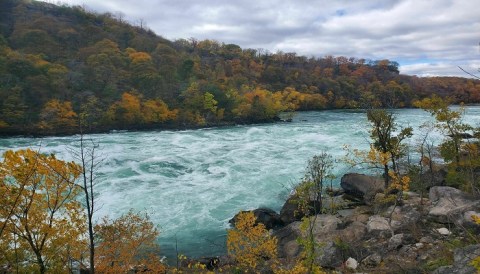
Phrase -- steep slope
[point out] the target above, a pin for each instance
(60, 65)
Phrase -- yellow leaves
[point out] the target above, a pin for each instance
(250, 243)
(476, 219)
(476, 263)
(127, 242)
(399, 182)
(259, 104)
(372, 157)
(57, 114)
(132, 110)
(376, 156)
(39, 208)
(156, 111)
(209, 102)
(140, 57)
(432, 104)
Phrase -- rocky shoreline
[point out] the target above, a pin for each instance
(434, 234)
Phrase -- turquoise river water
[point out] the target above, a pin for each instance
(192, 182)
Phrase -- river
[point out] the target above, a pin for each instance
(192, 182)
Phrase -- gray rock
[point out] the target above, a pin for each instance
(377, 224)
(462, 258)
(326, 223)
(372, 260)
(287, 245)
(345, 212)
(443, 231)
(325, 227)
(426, 240)
(449, 204)
(351, 263)
(334, 191)
(395, 242)
(333, 204)
(419, 245)
(330, 255)
(291, 211)
(445, 270)
(266, 216)
(404, 217)
(362, 186)
(352, 233)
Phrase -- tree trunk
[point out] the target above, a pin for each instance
(387, 177)
(41, 263)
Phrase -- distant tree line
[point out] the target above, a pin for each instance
(61, 66)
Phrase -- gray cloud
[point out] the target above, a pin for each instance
(425, 37)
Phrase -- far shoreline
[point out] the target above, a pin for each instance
(174, 128)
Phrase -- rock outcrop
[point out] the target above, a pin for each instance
(361, 187)
(399, 238)
(265, 216)
(449, 205)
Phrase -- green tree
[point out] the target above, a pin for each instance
(383, 127)
(309, 199)
(449, 121)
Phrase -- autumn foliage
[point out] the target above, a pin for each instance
(127, 242)
(40, 219)
(249, 243)
(43, 224)
(62, 66)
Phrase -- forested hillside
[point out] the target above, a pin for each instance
(62, 65)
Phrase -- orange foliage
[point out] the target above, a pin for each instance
(57, 114)
(40, 211)
(127, 243)
(250, 243)
(156, 111)
(139, 57)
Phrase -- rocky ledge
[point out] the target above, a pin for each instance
(433, 234)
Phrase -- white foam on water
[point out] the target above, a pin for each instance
(192, 182)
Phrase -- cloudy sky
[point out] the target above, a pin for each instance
(426, 37)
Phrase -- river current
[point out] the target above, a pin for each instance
(191, 182)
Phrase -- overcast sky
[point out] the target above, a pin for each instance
(426, 37)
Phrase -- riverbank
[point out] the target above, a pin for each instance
(363, 232)
(38, 133)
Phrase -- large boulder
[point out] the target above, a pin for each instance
(354, 232)
(325, 227)
(332, 253)
(292, 212)
(362, 187)
(287, 244)
(330, 256)
(450, 204)
(265, 216)
(404, 217)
